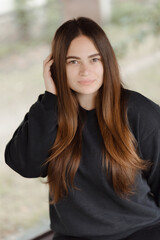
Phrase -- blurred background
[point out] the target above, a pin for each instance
(27, 28)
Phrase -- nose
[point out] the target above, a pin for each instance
(84, 71)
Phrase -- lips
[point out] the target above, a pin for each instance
(86, 82)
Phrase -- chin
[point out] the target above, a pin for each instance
(88, 91)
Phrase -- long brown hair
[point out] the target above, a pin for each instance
(119, 151)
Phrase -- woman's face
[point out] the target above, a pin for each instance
(84, 67)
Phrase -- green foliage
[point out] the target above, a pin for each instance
(22, 18)
(130, 12)
(27, 18)
(120, 48)
(140, 19)
(133, 13)
(155, 18)
(52, 19)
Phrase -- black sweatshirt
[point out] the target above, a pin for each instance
(95, 211)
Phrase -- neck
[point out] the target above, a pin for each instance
(87, 101)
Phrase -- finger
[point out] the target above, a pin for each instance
(49, 63)
(48, 58)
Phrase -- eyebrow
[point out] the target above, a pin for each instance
(75, 57)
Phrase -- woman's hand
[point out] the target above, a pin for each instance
(48, 80)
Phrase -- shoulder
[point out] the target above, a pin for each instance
(143, 113)
(138, 103)
(47, 95)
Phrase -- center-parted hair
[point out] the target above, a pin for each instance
(120, 156)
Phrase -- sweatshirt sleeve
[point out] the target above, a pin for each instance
(30, 144)
(144, 120)
(150, 150)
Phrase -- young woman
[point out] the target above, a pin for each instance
(97, 142)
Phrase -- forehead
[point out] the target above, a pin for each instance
(82, 45)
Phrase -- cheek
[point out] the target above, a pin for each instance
(99, 71)
(71, 73)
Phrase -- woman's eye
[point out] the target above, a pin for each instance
(95, 59)
(73, 62)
